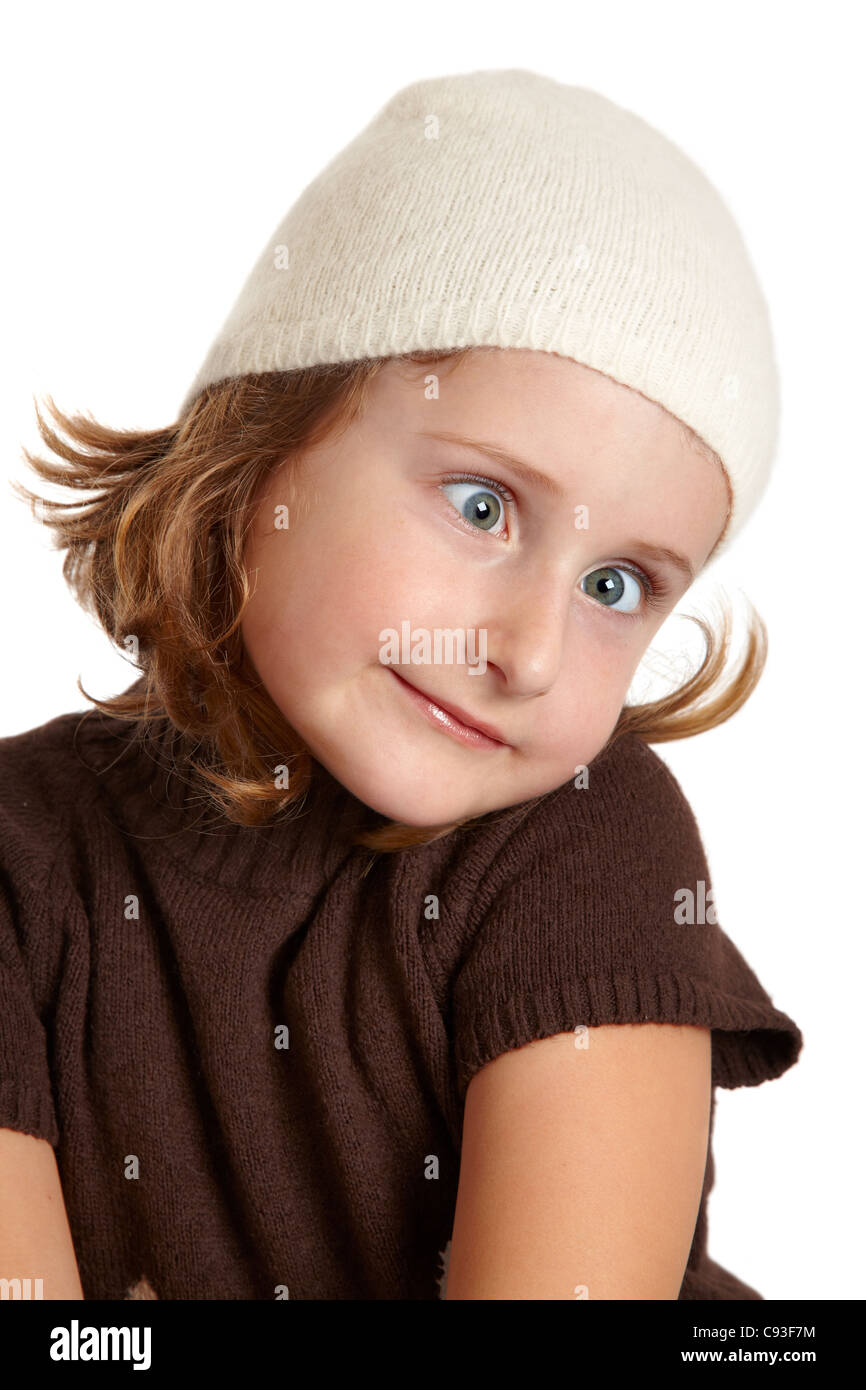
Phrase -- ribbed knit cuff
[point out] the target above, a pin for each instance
(28, 1110)
(751, 1042)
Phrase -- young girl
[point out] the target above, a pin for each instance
(363, 948)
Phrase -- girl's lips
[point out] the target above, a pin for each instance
(448, 720)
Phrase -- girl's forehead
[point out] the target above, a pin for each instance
(572, 418)
(516, 382)
(565, 433)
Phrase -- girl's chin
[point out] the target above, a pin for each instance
(423, 807)
(419, 814)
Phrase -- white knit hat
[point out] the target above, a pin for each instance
(502, 207)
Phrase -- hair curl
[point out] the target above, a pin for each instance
(158, 556)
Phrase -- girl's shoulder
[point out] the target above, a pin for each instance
(37, 785)
(50, 771)
(61, 784)
(599, 908)
(625, 814)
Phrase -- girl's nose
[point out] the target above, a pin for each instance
(526, 638)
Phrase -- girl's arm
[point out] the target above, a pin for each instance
(35, 1240)
(582, 1166)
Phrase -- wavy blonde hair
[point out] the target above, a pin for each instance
(158, 556)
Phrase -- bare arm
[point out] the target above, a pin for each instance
(35, 1240)
(583, 1168)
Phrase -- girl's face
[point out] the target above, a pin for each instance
(534, 585)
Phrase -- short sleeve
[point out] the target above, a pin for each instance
(26, 1100)
(27, 843)
(602, 912)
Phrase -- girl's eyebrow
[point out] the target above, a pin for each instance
(520, 467)
(535, 478)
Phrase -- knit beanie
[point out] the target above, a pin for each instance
(505, 208)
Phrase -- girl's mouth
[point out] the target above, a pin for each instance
(447, 719)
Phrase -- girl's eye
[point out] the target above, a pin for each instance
(478, 503)
(610, 584)
(481, 504)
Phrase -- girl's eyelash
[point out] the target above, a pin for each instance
(487, 482)
(654, 584)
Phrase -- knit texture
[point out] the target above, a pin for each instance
(505, 208)
(150, 967)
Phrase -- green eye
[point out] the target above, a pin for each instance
(477, 504)
(608, 587)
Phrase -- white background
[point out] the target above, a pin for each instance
(150, 151)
